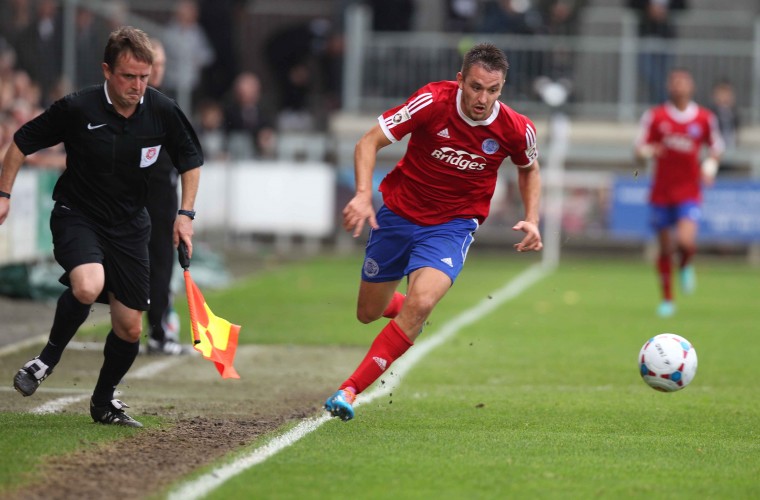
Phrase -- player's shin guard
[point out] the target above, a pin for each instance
(395, 306)
(664, 269)
(388, 346)
(118, 357)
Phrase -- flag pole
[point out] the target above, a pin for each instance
(184, 261)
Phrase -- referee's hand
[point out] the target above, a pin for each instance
(183, 230)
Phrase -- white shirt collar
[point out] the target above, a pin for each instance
(108, 98)
(687, 115)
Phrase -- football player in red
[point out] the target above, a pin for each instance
(672, 136)
(434, 201)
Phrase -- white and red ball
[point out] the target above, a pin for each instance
(668, 362)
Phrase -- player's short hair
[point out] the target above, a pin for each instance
(128, 39)
(487, 55)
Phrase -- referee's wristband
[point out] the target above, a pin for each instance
(187, 213)
(3, 194)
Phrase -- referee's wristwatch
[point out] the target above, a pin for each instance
(187, 213)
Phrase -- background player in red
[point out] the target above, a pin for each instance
(672, 134)
(434, 200)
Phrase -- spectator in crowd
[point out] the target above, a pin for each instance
(218, 18)
(188, 51)
(40, 47)
(724, 106)
(560, 17)
(211, 131)
(244, 116)
(515, 17)
(655, 29)
(462, 15)
(296, 55)
(89, 33)
(392, 15)
(15, 17)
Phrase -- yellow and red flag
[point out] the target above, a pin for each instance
(214, 337)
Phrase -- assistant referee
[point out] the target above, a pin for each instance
(113, 134)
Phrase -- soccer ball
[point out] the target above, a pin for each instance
(668, 362)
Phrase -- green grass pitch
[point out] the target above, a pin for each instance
(539, 399)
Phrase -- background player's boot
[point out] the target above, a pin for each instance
(666, 309)
(688, 278)
(113, 414)
(339, 404)
(30, 376)
(169, 347)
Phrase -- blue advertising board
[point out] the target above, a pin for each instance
(730, 211)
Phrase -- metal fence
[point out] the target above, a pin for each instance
(608, 72)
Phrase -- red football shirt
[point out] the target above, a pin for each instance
(450, 165)
(681, 135)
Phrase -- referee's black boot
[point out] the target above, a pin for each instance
(112, 413)
(30, 376)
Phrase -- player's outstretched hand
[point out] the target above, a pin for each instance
(532, 239)
(357, 211)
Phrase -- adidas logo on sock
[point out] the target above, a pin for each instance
(444, 133)
(447, 260)
(380, 362)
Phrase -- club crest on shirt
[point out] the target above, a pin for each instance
(149, 155)
(694, 130)
(490, 146)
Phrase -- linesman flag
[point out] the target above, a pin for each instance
(214, 337)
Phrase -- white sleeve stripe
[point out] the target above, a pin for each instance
(418, 104)
(426, 95)
(530, 137)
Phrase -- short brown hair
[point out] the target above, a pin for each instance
(487, 55)
(128, 39)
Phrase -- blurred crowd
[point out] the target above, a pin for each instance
(235, 116)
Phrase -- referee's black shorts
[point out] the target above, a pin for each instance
(121, 249)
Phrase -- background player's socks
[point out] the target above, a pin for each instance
(664, 269)
(388, 346)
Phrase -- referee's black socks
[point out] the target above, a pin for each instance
(69, 316)
(119, 356)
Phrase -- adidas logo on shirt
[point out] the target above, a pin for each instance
(380, 362)
(444, 133)
(447, 260)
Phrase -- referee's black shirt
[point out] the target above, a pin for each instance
(109, 157)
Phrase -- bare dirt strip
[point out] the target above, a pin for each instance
(205, 416)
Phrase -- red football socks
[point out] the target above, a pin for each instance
(395, 306)
(388, 346)
(686, 255)
(664, 269)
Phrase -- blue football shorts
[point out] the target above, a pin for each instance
(665, 216)
(399, 247)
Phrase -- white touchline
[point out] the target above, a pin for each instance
(144, 372)
(205, 484)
